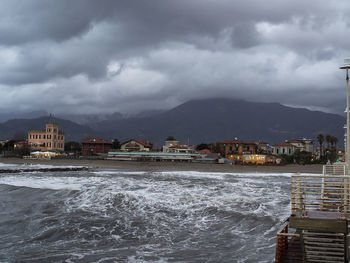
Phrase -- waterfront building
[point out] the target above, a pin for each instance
(18, 145)
(153, 156)
(173, 146)
(284, 148)
(260, 159)
(181, 149)
(50, 139)
(304, 144)
(95, 146)
(168, 144)
(136, 145)
(236, 147)
(264, 147)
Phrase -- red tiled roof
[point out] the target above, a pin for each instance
(96, 140)
(142, 142)
(250, 143)
(285, 144)
(204, 151)
(295, 141)
(237, 142)
(231, 141)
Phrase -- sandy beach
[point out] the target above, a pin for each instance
(171, 166)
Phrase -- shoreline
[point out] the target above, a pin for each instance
(170, 166)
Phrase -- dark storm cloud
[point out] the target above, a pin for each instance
(109, 55)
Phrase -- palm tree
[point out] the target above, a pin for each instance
(328, 140)
(335, 140)
(320, 139)
(334, 143)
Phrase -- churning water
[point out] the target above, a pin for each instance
(131, 216)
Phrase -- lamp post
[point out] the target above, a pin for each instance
(347, 67)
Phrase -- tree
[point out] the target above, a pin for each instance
(8, 146)
(333, 154)
(170, 138)
(72, 147)
(116, 144)
(19, 136)
(320, 140)
(335, 140)
(328, 140)
(202, 146)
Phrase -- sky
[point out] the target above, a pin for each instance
(88, 56)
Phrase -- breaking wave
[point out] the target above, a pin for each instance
(128, 216)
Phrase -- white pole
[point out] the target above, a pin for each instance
(347, 121)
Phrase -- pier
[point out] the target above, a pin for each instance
(317, 230)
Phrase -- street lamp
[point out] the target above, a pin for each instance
(347, 67)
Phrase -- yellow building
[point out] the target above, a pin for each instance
(257, 159)
(50, 139)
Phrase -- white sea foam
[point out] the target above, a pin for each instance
(35, 181)
(34, 166)
(7, 166)
(248, 206)
(114, 172)
(200, 174)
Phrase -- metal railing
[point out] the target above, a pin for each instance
(320, 193)
(324, 247)
(287, 245)
(338, 168)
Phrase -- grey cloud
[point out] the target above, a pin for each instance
(171, 51)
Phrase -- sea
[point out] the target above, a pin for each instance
(107, 215)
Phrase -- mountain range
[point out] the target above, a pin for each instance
(197, 121)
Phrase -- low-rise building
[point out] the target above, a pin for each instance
(153, 156)
(95, 146)
(261, 159)
(284, 148)
(169, 144)
(306, 145)
(18, 145)
(264, 147)
(232, 147)
(136, 145)
(173, 146)
(181, 149)
(50, 139)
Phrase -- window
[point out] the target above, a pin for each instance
(284, 150)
